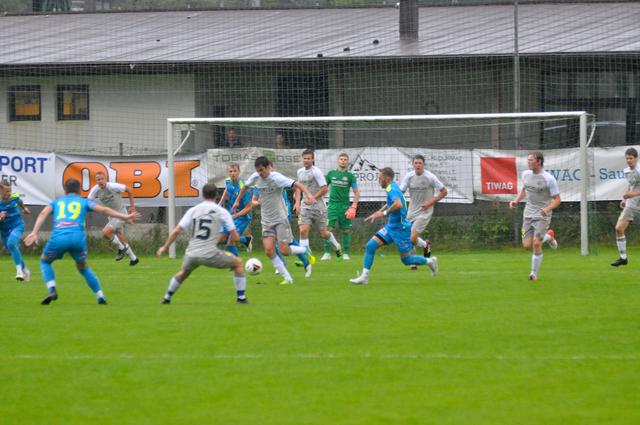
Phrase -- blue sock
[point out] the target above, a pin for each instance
(369, 254)
(13, 245)
(91, 278)
(280, 255)
(233, 249)
(47, 271)
(302, 257)
(414, 260)
(244, 240)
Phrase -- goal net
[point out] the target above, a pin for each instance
(478, 157)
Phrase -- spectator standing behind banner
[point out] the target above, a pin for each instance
(232, 140)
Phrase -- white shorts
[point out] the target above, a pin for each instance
(420, 223)
(535, 227)
(280, 231)
(218, 259)
(116, 224)
(315, 217)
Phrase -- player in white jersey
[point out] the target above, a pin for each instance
(205, 221)
(108, 194)
(274, 214)
(315, 214)
(543, 196)
(630, 205)
(425, 190)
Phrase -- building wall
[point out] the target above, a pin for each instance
(127, 114)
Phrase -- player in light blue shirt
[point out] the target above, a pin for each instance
(397, 230)
(68, 235)
(11, 228)
(242, 218)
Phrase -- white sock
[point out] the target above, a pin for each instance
(51, 284)
(365, 272)
(422, 243)
(536, 260)
(114, 240)
(332, 240)
(304, 243)
(19, 268)
(547, 238)
(100, 294)
(622, 247)
(240, 281)
(174, 285)
(296, 250)
(130, 253)
(279, 265)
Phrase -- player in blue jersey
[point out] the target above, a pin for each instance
(11, 228)
(242, 218)
(68, 235)
(397, 230)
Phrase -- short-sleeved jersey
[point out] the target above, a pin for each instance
(633, 177)
(396, 219)
(272, 206)
(313, 179)
(69, 213)
(339, 184)
(109, 196)
(12, 210)
(421, 188)
(540, 189)
(233, 190)
(205, 220)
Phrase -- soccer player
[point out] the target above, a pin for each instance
(397, 230)
(205, 221)
(543, 196)
(241, 219)
(314, 214)
(68, 236)
(108, 194)
(275, 224)
(303, 259)
(340, 211)
(425, 190)
(630, 205)
(12, 227)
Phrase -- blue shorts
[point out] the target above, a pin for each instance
(12, 233)
(400, 237)
(74, 243)
(241, 226)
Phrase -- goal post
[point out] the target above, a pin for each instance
(440, 121)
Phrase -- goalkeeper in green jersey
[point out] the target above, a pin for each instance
(341, 211)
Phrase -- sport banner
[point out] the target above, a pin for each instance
(30, 174)
(145, 175)
(452, 166)
(497, 173)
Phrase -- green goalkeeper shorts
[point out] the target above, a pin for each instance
(336, 213)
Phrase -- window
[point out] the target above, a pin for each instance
(24, 103)
(73, 102)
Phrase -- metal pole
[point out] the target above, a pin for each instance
(585, 174)
(171, 202)
(516, 74)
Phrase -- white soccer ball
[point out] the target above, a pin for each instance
(253, 266)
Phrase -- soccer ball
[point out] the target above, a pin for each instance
(253, 266)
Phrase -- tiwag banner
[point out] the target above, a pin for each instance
(146, 176)
(497, 173)
(31, 175)
(453, 166)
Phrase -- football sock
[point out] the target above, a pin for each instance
(47, 271)
(279, 254)
(301, 257)
(547, 238)
(279, 265)
(91, 278)
(240, 281)
(346, 242)
(414, 260)
(369, 254)
(130, 253)
(536, 260)
(13, 245)
(233, 249)
(174, 285)
(421, 243)
(332, 240)
(244, 240)
(19, 268)
(304, 243)
(293, 249)
(114, 240)
(622, 246)
(327, 246)
(51, 285)
(99, 294)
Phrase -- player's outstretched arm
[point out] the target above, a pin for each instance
(132, 204)
(33, 236)
(224, 197)
(243, 190)
(170, 239)
(23, 208)
(129, 218)
(310, 199)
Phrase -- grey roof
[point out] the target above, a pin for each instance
(293, 34)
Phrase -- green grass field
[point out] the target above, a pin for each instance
(479, 344)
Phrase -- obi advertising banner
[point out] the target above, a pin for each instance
(453, 166)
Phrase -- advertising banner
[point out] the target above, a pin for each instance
(30, 174)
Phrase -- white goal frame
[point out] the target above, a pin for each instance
(580, 115)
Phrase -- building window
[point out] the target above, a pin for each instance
(73, 102)
(24, 103)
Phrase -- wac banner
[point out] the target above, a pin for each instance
(30, 174)
(453, 167)
(146, 176)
